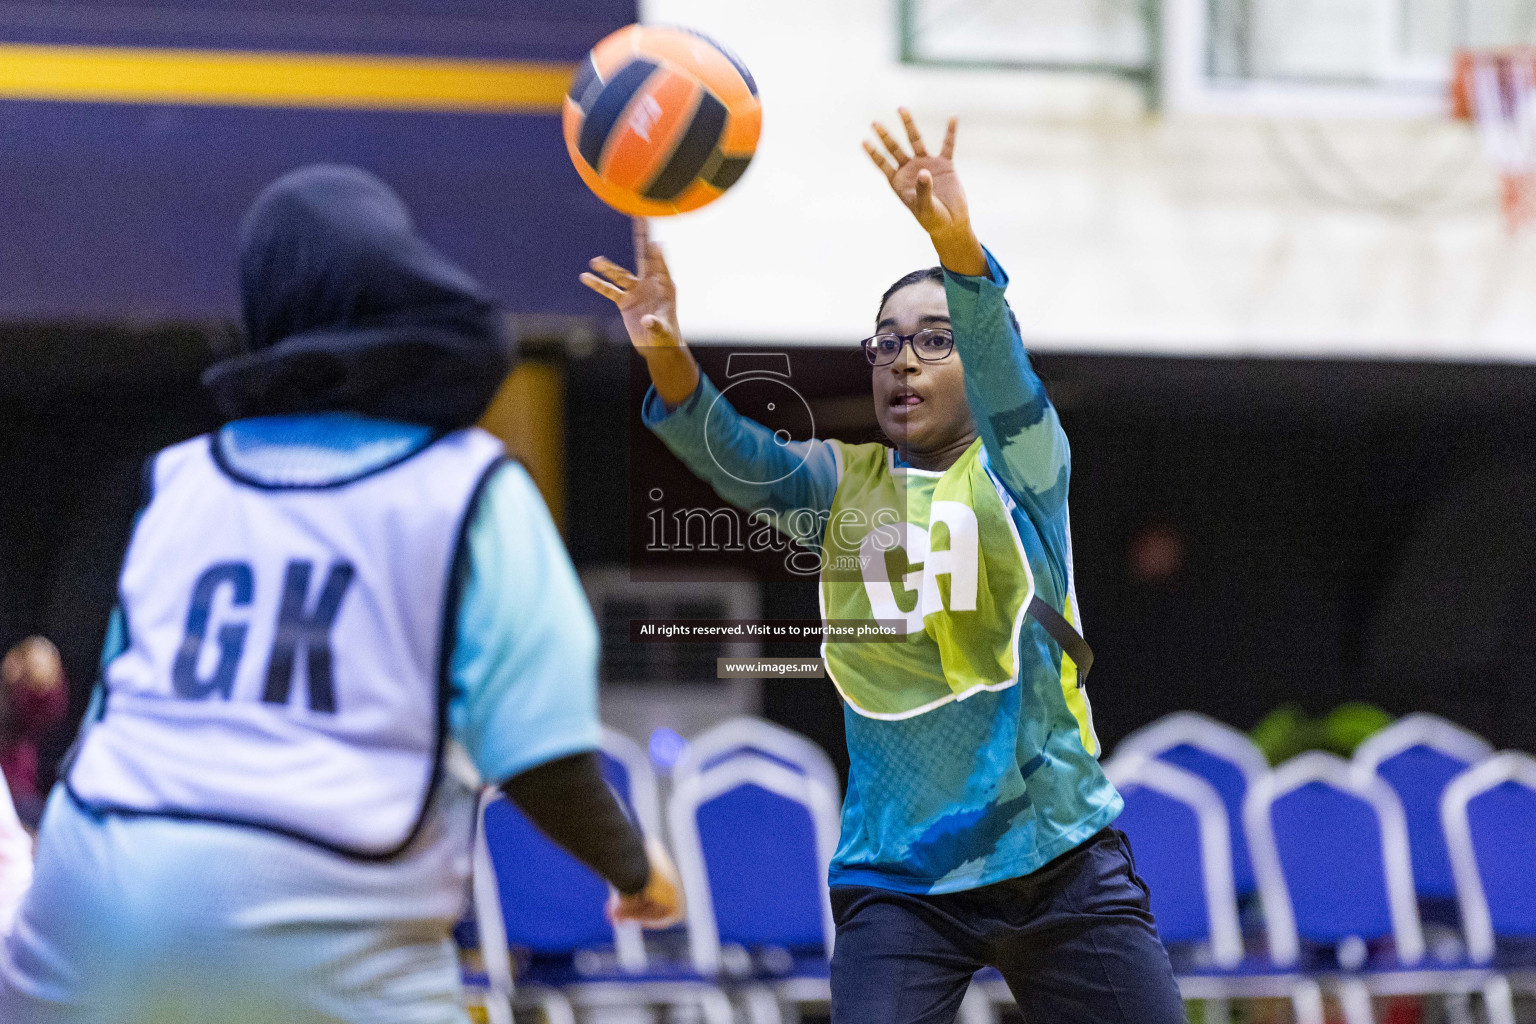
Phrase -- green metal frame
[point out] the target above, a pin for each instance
(1148, 75)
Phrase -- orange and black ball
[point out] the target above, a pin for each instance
(661, 120)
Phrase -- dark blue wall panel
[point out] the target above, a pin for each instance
(514, 29)
(118, 211)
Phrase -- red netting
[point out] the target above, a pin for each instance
(1497, 88)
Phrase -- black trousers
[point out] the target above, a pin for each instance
(1074, 940)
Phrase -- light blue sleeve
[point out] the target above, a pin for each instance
(1014, 416)
(730, 451)
(116, 643)
(524, 667)
(117, 638)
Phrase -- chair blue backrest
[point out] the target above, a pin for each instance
(550, 902)
(1418, 756)
(1173, 817)
(753, 841)
(1490, 832)
(1330, 853)
(1219, 754)
(748, 734)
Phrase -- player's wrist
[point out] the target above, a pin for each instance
(960, 251)
(674, 373)
(655, 344)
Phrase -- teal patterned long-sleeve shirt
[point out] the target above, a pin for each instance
(982, 789)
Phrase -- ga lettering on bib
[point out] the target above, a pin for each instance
(937, 553)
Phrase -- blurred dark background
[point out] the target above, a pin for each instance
(1247, 533)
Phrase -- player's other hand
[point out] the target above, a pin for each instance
(647, 299)
(660, 903)
(929, 187)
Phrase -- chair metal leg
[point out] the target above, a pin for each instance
(762, 1005)
(557, 1010)
(1499, 999)
(550, 1002)
(1307, 999)
(1218, 1011)
(710, 1003)
(1355, 1001)
(976, 1008)
(636, 1015)
(498, 1008)
(796, 994)
(715, 1007)
(1458, 1008)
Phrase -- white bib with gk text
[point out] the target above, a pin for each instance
(287, 648)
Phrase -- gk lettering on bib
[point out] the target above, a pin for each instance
(938, 553)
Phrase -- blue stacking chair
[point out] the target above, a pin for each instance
(1330, 853)
(628, 773)
(532, 896)
(753, 839)
(1179, 832)
(1490, 832)
(1169, 815)
(1418, 756)
(1217, 753)
(754, 821)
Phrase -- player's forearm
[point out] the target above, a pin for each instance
(571, 804)
(730, 452)
(960, 251)
(673, 370)
(1008, 401)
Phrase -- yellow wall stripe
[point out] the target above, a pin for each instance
(109, 74)
(528, 413)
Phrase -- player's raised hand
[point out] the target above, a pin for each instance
(660, 903)
(647, 299)
(929, 187)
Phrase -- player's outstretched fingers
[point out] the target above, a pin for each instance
(923, 206)
(886, 167)
(656, 262)
(948, 152)
(613, 272)
(606, 289)
(891, 145)
(912, 133)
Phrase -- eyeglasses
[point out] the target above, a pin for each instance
(930, 346)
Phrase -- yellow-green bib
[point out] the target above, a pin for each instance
(936, 552)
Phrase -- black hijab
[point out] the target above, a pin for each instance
(347, 308)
